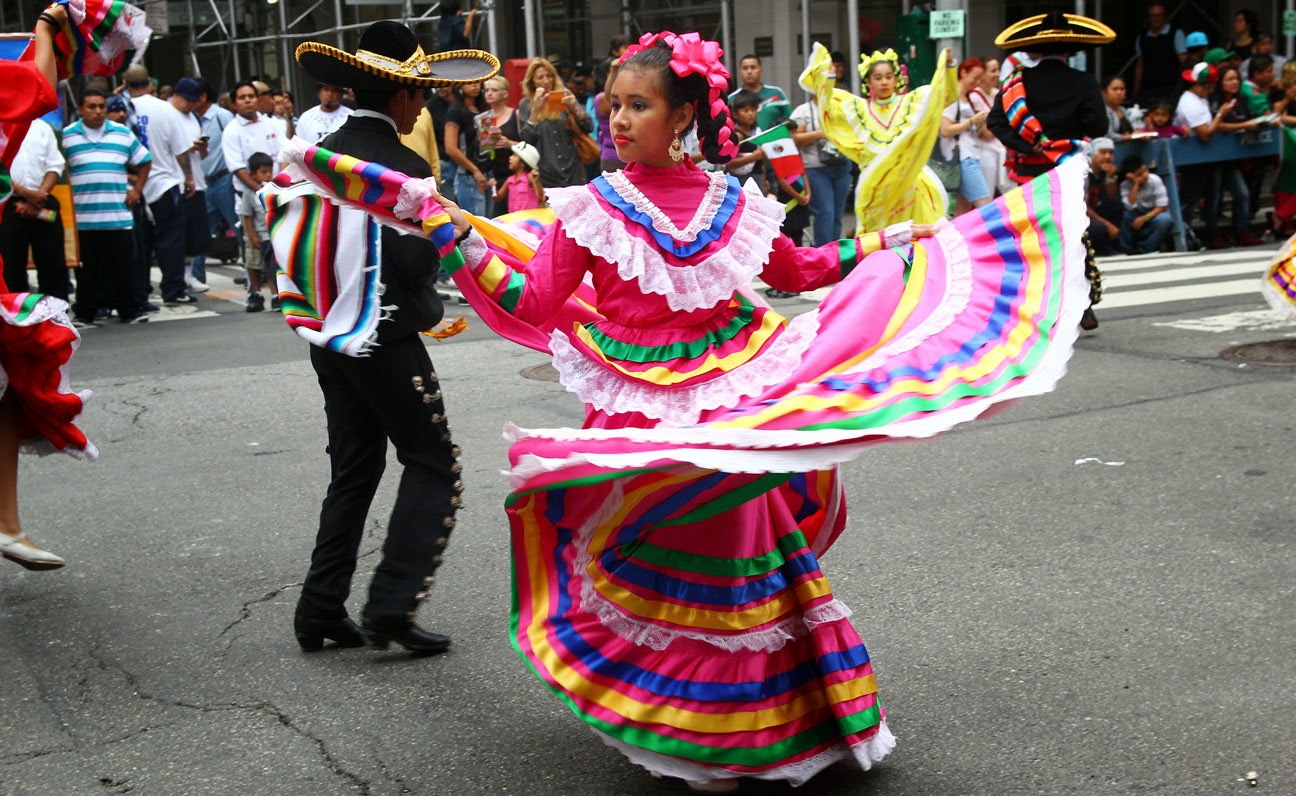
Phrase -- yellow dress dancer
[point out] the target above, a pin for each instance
(888, 132)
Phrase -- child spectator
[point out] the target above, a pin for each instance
(745, 104)
(260, 258)
(798, 217)
(1158, 121)
(1147, 203)
(522, 189)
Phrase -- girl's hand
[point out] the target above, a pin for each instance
(457, 217)
(539, 97)
(924, 230)
(979, 118)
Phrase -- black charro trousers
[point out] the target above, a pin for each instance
(393, 394)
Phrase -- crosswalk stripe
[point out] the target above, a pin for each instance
(1164, 295)
(1184, 259)
(1184, 274)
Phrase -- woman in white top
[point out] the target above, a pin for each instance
(962, 130)
(993, 153)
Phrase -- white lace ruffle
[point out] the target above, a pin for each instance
(646, 634)
(697, 286)
(616, 394)
(128, 33)
(867, 754)
(412, 195)
(473, 248)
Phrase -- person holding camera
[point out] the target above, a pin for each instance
(546, 116)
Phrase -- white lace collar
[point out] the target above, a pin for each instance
(717, 187)
(697, 285)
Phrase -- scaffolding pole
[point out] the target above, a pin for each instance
(726, 32)
(529, 19)
(852, 35)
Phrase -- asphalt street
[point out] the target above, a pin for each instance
(1090, 593)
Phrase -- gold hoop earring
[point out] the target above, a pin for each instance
(676, 148)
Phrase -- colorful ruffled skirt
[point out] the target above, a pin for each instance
(36, 344)
(667, 582)
(1279, 283)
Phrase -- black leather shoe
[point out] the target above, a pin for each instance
(311, 632)
(407, 634)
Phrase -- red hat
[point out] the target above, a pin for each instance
(1201, 73)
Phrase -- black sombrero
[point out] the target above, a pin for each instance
(1055, 32)
(389, 55)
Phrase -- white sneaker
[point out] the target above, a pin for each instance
(21, 551)
(195, 286)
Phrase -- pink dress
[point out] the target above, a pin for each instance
(36, 339)
(667, 585)
(521, 196)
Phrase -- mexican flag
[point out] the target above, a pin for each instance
(782, 153)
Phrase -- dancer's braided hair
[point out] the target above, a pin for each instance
(692, 90)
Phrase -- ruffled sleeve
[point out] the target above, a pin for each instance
(525, 302)
(794, 268)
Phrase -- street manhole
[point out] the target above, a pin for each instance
(543, 372)
(1270, 352)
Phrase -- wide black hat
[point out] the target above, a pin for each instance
(389, 56)
(1055, 32)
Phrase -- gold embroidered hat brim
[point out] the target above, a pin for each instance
(1031, 34)
(364, 70)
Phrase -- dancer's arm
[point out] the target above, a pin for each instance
(795, 268)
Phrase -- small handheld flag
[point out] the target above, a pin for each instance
(782, 153)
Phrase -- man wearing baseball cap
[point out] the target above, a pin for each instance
(1197, 44)
(185, 96)
(1193, 113)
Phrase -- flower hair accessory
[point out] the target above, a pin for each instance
(693, 55)
(867, 62)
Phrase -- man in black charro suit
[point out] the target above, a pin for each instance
(392, 392)
(1067, 103)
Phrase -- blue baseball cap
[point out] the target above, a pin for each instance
(117, 103)
(1197, 39)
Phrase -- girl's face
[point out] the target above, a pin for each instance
(544, 79)
(882, 81)
(472, 90)
(643, 122)
(1115, 93)
(1159, 117)
(1230, 82)
(971, 79)
(496, 95)
(1239, 23)
(745, 116)
(515, 162)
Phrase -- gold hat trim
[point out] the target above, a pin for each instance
(415, 70)
(1096, 33)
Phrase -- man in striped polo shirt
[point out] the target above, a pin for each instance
(99, 152)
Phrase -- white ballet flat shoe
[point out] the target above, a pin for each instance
(21, 551)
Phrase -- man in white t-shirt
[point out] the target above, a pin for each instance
(172, 179)
(251, 131)
(325, 117)
(185, 96)
(1193, 113)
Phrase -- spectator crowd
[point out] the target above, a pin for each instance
(167, 175)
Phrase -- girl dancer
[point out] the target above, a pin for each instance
(667, 585)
